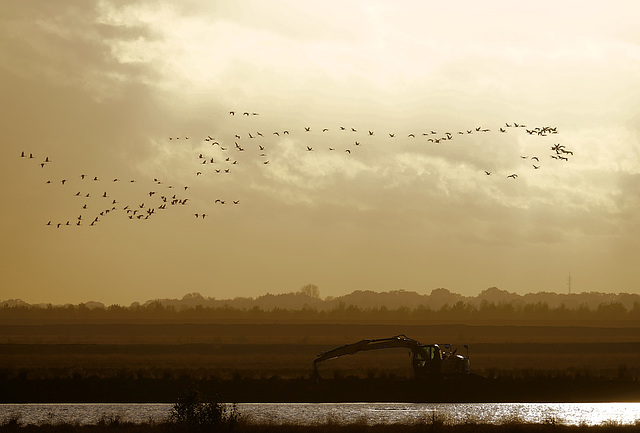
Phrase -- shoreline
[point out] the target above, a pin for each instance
(472, 389)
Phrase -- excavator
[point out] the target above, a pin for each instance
(428, 360)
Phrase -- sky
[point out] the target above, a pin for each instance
(375, 195)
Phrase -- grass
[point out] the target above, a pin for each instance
(426, 426)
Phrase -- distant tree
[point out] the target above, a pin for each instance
(311, 290)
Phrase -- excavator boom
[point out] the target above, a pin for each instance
(380, 343)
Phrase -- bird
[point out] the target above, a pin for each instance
(536, 166)
(309, 148)
(233, 113)
(488, 173)
(307, 128)
(392, 135)
(513, 176)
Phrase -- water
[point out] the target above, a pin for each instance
(317, 413)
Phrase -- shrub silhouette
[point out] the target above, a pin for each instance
(197, 413)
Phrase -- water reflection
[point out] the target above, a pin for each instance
(370, 413)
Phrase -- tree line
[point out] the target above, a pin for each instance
(156, 311)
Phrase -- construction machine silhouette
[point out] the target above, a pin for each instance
(428, 360)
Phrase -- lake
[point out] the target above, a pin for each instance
(318, 413)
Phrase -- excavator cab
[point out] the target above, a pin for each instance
(427, 360)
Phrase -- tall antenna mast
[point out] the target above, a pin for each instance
(569, 281)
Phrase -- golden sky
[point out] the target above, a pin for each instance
(112, 89)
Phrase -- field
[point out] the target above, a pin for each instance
(39, 357)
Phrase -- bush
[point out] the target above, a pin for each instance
(197, 413)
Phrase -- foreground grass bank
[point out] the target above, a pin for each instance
(241, 427)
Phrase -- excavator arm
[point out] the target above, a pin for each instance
(362, 345)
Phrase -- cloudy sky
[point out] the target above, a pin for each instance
(112, 89)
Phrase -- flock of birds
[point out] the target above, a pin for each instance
(95, 201)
